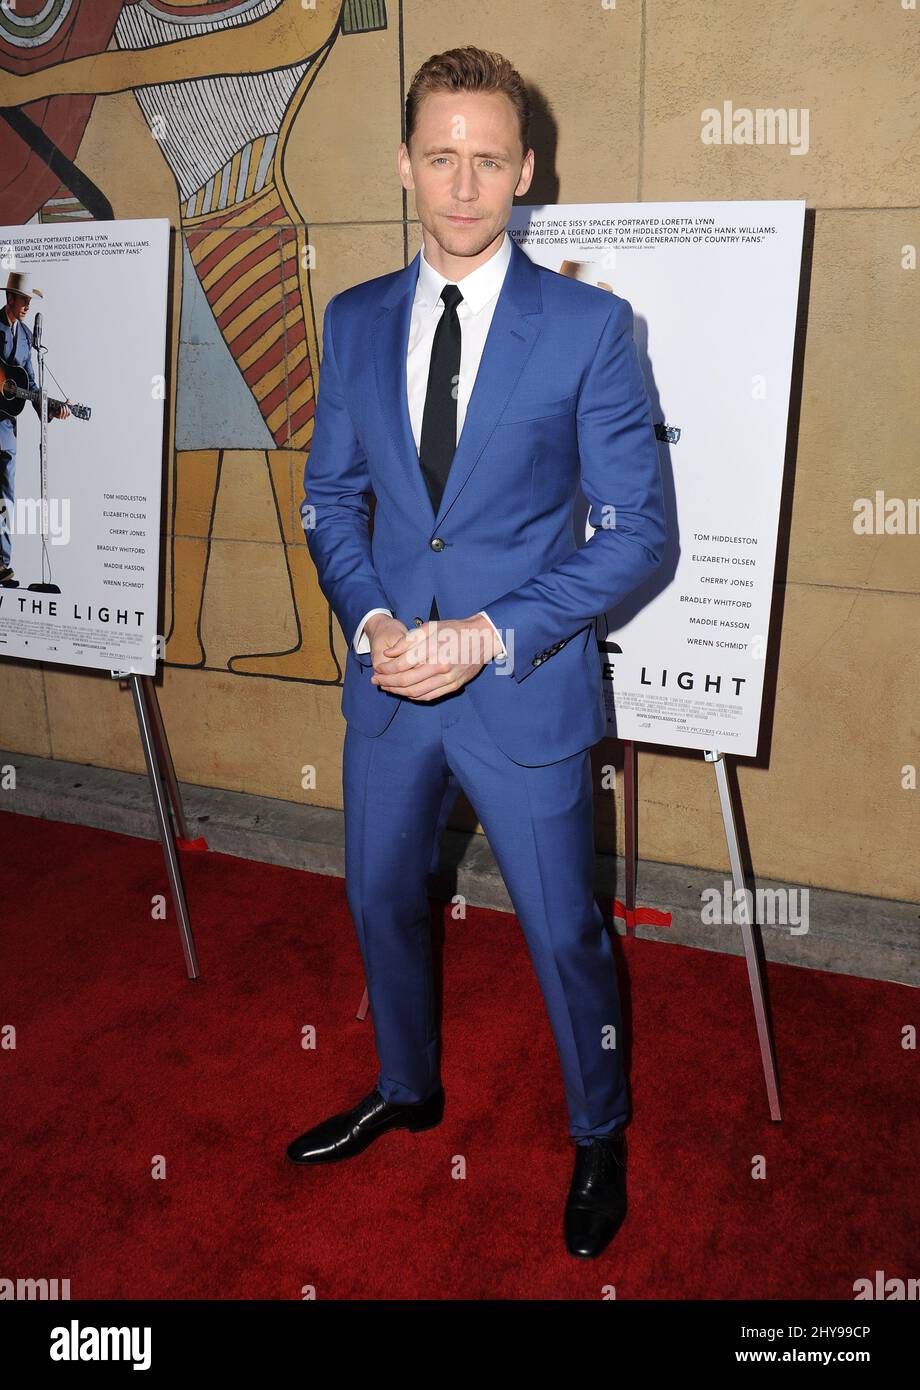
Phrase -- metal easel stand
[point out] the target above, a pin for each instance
(750, 931)
(162, 775)
(631, 846)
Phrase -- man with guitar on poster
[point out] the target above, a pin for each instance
(16, 353)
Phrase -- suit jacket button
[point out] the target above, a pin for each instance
(437, 543)
(418, 622)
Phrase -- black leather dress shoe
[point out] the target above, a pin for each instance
(351, 1131)
(596, 1203)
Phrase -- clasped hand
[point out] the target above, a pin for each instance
(427, 662)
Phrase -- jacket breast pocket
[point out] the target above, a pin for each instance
(522, 408)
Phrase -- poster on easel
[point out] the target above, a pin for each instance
(82, 327)
(714, 289)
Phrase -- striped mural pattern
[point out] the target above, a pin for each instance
(63, 207)
(246, 173)
(250, 274)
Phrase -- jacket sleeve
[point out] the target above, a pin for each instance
(335, 510)
(621, 480)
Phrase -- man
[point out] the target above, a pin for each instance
(15, 347)
(472, 393)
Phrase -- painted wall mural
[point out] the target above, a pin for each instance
(219, 85)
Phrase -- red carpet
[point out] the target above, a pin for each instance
(121, 1063)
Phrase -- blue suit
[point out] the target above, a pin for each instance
(22, 356)
(559, 402)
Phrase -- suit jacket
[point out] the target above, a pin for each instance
(559, 402)
(22, 357)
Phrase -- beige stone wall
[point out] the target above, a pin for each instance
(621, 90)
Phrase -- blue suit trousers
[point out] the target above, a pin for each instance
(398, 790)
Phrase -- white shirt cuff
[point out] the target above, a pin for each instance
(362, 643)
(502, 652)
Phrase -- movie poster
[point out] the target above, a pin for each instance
(84, 325)
(713, 287)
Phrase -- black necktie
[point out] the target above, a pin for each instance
(439, 420)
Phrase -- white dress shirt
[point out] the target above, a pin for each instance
(480, 291)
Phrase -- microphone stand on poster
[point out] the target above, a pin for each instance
(45, 587)
(161, 771)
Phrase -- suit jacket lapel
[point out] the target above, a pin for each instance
(390, 343)
(513, 331)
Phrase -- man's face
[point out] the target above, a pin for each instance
(17, 305)
(466, 165)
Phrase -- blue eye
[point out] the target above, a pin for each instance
(437, 159)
